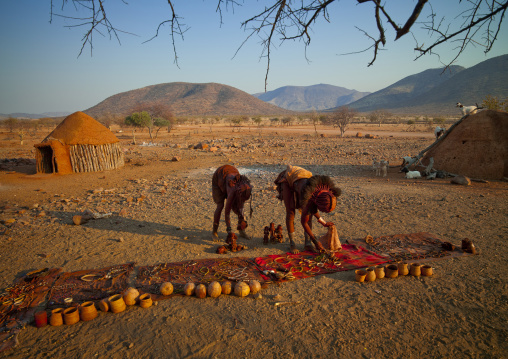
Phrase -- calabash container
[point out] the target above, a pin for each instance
(71, 315)
(415, 269)
(145, 300)
(56, 318)
(88, 311)
(371, 275)
(360, 275)
(380, 271)
(116, 303)
(403, 269)
(392, 271)
(426, 271)
(41, 319)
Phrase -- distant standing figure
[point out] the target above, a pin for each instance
(228, 185)
(299, 189)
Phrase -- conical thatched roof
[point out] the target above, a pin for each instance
(477, 147)
(79, 128)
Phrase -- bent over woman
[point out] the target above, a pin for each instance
(299, 189)
(228, 185)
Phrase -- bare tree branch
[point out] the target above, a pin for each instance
(289, 20)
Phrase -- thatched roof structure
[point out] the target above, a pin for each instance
(476, 147)
(79, 144)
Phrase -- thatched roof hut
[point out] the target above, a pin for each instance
(476, 147)
(79, 144)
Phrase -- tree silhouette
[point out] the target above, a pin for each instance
(476, 23)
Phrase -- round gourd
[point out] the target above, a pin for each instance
(254, 286)
(214, 289)
(166, 288)
(226, 287)
(189, 288)
(130, 296)
(201, 291)
(242, 289)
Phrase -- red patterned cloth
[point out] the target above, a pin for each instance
(308, 264)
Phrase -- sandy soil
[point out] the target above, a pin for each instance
(461, 311)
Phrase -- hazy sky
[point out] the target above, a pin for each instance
(40, 69)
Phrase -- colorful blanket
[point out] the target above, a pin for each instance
(308, 264)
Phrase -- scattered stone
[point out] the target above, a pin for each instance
(461, 180)
(78, 220)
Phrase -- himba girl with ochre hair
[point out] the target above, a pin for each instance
(299, 189)
(228, 185)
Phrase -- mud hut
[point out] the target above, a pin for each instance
(78, 144)
(476, 147)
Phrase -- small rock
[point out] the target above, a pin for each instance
(176, 159)
(461, 180)
(120, 240)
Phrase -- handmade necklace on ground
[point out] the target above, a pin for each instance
(91, 284)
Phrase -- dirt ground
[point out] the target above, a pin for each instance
(459, 312)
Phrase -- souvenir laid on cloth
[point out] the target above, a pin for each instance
(92, 284)
(331, 240)
(204, 271)
(410, 247)
(19, 302)
(308, 264)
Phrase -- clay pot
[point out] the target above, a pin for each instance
(371, 275)
(392, 271)
(88, 311)
(226, 287)
(360, 275)
(166, 288)
(130, 296)
(214, 289)
(426, 271)
(189, 288)
(415, 269)
(380, 271)
(41, 319)
(242, 289)
(201, 291)
(56, 318)
(254, 286)
(145, 300)
(71, 315)
(104, 305)
(116, 303)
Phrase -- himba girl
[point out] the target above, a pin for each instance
(299, 189)
(228, 185)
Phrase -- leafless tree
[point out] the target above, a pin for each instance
(477, 22)
(341, 118)
(378, 116)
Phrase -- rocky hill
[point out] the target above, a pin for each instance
(309, 98)
(189, 99)
(436, 92)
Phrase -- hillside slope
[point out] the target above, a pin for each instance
(189, 99)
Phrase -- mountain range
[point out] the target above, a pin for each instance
(310, 98)
(436, 91)
(431, 92)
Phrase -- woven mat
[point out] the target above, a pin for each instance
(203, 271)
(414, 247)
(308, 264)
(19, 302)
(92, 284)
